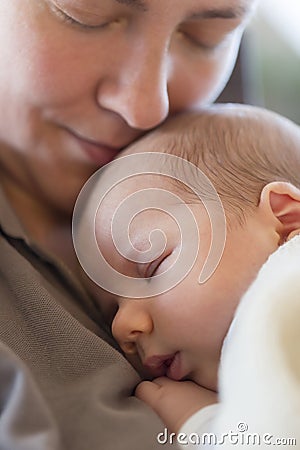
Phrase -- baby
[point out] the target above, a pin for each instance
(236, 171)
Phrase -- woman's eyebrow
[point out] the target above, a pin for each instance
(224, 13)
(212, 13)
(137, 4)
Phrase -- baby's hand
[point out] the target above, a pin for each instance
(174, 401)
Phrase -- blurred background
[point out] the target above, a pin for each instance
(267, 72)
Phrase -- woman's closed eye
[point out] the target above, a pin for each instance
(196, 41)
(82, 20)
(206, 36)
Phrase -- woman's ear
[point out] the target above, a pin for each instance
(282, 200)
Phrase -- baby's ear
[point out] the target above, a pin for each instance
(282, 200)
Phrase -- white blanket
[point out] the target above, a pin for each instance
(260, 364)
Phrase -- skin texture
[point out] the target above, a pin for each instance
(175, 401)
(192, 319)
(79, 80)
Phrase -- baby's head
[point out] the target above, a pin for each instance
(240, 148)
(252, 158)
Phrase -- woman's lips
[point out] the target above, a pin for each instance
(165, 365)
(97, 152)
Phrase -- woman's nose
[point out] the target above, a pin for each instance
(138, 89)
(130, 323)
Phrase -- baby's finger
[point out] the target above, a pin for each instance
(147, 392)
(165, 382)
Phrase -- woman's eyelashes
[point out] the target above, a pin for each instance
(194, 35)
(206, 36)
(73, 19)
(196, 42)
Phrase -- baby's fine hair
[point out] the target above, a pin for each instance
(239, 148)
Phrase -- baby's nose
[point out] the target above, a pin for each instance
(131, 322)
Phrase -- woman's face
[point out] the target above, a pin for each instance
(81, 79)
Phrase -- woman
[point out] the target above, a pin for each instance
(79, 80)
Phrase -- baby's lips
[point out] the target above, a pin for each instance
(157, 365)
(175, 369)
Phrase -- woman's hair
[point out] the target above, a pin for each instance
(239, 148)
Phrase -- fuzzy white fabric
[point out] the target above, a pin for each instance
(260, 366)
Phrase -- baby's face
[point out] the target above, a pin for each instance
(177, 332)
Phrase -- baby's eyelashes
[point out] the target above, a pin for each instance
(149, 270)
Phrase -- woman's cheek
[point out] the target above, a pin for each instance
(200, 80)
